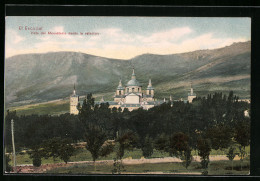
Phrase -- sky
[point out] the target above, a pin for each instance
(123, 37)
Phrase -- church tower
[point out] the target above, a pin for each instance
(171, 100)
(120, 92)
(120, 89)
(191, 95)
(74, 100)
(150, 91)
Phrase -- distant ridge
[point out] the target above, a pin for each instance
(48, 76)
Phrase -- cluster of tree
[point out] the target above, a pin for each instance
(212, 122)
(31, 130)
(55, 148)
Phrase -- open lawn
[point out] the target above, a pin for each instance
(215, 168)
(54, 107)
(84, 155)
(221, 167)
(51, 108)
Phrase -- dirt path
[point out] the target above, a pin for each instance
(128, 161)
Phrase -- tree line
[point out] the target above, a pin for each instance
(213, 122)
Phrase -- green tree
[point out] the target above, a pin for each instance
(124, 142)
(231, 155)
(58, 147)
(66, 149)
(36, 154)
(204, 148)
(220, 136)
(51, 147)
(147, 148)
(161, 143)
(86, 109)
(178, 144)
(95, 137)
(242, 136)
(107, 148)
(187, 157)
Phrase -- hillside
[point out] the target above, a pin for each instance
(33, 78)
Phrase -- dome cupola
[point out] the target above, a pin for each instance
(133, 81)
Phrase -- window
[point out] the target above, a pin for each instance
(138, 89)
(133, 89)
(119, 92)
(149, 92)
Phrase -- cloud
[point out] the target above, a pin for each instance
(12, 41)
(61, 30)
(164, 42)
(205, 41)
(57, 29)
(169, 35)
(13, 37)
(116, 43)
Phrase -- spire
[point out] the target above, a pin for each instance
(120, 83)
(150, 83)
(171, 100)
(74, 91)
(102, 99)
(133, 74)
(191, 89)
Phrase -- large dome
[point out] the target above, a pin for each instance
(133, 82)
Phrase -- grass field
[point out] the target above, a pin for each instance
(84, 155)
(214, 168)
(51, 108)
(55, 107)
(222, 167)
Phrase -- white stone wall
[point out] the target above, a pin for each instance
(118, 99)
(133, 89)
(73, 105)
(150, 92)
(149, 99)
(132, 99)
(118, 92)
(129, 108)
(190, 98)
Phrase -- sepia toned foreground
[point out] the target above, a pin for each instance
(168, 165)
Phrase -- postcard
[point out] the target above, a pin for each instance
(127, 95)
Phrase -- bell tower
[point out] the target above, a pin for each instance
(191, 94)
(150, 89)
(74, 100)
(120, 89)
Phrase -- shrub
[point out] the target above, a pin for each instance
(37, 161)
(147, 149)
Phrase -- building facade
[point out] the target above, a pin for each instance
(191, 95)
(74, 100)
(132, 96)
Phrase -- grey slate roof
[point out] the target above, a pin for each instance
(120, 88)
(74, 95)
(133, 82)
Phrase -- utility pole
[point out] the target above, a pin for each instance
(12, 129)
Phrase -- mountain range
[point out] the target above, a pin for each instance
(33, 78)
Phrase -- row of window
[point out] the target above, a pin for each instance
(120, 92)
